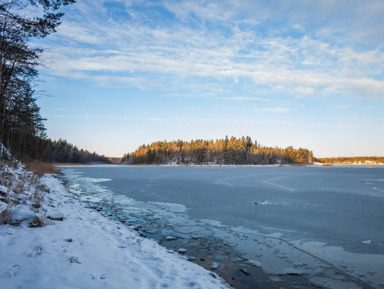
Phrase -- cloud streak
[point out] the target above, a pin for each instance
(244, 98)
(220, 43)
(274, 109)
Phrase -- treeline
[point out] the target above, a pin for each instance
(46, 150)
(351, 160)
(63, 152)
(228, 151)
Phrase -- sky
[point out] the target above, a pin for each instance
(304, 73)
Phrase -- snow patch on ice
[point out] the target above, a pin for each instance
(255, 263)
(334, 284)
(290, 271)
(265, 203)
(172, 207)
(354, 264)
(96, 180)
(273, 183)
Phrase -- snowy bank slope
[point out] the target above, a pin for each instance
(87, 250)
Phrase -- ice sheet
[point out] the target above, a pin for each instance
(269, 215)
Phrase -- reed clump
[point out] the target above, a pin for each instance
(42, 168)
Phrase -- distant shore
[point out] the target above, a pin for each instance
(351, 164)
(217, 165)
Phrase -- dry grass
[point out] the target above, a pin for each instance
(5, 178)
(37, 198)
(6, 215)
(26, 183)
(40, 168)
(21, 184)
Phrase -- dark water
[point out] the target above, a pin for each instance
(290, 226)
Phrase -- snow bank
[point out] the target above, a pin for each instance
(85, 250)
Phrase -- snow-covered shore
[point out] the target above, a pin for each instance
(78, 247)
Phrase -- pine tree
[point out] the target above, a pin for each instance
(21, 126)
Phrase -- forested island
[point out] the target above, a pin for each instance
(352, 161)
(227, 151)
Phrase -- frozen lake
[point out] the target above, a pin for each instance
(323, 224)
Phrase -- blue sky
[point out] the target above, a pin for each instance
(305, 73)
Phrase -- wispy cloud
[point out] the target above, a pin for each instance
(277, 109)
(148, 118)
(218, 41)
(86, 116)
(243, 98)
(344, 107)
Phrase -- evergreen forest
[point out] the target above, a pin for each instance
(227, 151)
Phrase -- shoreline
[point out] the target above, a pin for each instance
(77, 247)
(214, 165)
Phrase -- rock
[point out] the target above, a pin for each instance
(215, 266)
(182, 251)
(290, 271)
(55, 218)
(202, 259)
(244, 271)
(136, 228)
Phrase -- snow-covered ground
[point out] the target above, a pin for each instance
(77, 247)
